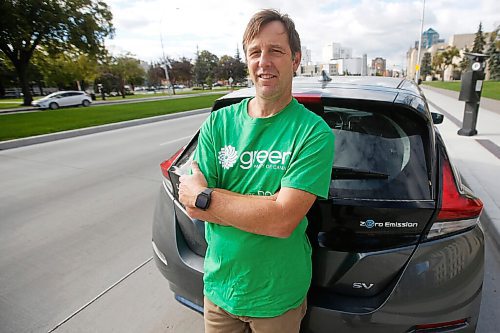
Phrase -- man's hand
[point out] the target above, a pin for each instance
(191, 185)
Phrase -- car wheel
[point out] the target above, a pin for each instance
(85, 103)
(53, 106)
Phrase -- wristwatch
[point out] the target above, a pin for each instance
(203, 199)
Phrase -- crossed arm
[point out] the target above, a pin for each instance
(275, 216)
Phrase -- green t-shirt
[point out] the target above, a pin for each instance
(248, 274)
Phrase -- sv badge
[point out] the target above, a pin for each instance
(362, 285)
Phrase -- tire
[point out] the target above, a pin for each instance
(85, 102)
(53, 106)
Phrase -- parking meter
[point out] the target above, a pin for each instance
(470, 92)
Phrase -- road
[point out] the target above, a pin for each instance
(75, 233)
(76, 218)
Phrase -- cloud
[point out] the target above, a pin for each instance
(385, 28)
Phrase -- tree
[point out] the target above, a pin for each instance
(127, 70)
(155, 75)
(204, 67)
(7, 75)
(442, 60)
(479, 40)
(448, 55)
(494, 55)
(426, 68)
(182, 70)
(56, 25)
(66, 70)
(437, 63)
(465, 62)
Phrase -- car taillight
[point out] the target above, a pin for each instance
(308, 98)
(459, 211)
(165, 166)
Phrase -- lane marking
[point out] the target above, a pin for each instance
(100, 295)
(451, 117)
(172, 141)
(487, 144)
(490, 146)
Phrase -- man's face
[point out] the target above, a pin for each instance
(270, 62)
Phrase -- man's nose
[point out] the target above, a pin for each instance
(265, 59)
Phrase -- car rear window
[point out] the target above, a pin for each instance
(379, 153)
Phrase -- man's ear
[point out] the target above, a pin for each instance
(296, 60)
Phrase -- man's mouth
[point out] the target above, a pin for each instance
(266, 76)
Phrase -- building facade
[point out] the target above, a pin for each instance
(430, 37)
(335, 51)
(378, 66)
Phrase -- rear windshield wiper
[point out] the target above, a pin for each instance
(351, 173)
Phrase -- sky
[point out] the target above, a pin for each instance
(148, 29)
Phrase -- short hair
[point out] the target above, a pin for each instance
(265, 16)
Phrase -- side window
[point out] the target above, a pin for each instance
(378, 155)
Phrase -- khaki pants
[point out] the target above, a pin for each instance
(218, 320)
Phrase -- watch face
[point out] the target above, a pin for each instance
(202, 201)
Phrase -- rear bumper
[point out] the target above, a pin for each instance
(441, 283)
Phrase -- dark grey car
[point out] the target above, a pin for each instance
(396, 247)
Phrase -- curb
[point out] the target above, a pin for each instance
(96, 129)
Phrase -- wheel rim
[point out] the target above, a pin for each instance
(53, 106)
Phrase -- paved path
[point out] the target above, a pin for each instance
(477, 157)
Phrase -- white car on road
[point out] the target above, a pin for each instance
(63, 98)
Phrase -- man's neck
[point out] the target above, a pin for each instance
(264, 108)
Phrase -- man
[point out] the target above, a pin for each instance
(260, 165)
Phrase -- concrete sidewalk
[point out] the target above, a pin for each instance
(477, 157)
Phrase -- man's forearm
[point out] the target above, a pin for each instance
(208, 216)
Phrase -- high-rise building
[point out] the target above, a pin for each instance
(364, 64)
(335, 51)
(306, 56)
(430, 37)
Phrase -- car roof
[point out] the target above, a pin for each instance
(349, 87)
(360, 88)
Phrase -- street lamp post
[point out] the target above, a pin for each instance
(417, 66)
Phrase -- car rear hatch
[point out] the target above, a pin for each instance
(381, 199)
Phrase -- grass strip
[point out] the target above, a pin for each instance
(21, 125)
(491, 89)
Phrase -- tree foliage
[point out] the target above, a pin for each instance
(181, 70)
(66, 70)
(442, 60)
(494, 54)
(479, 40)
(231, 67)
(426, 68)
(155, 75)
(56, 25)
(204, 67)
(465, 62)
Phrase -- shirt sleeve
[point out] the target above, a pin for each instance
(205, 152)
(310, 170)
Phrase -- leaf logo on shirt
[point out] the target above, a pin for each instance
(228, 156)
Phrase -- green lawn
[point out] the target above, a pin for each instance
(20, 125)
(491, 89)
(10, 103)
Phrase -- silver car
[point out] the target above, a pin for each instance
(63, 98)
